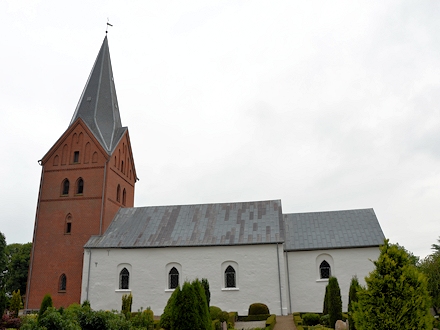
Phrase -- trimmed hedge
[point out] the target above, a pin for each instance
(258, 309)
(260, 317)
(311, 319)
(271, 321)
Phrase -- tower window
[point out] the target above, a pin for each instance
(80, 186)
(62, 283)
(76, 157)
(230, 277)
(173, 278)
(68, 226)
(324, 270)
(118, 193)
(65, 187)
(124, 197)
(124, 278)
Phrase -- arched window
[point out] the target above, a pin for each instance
(173, 278)
(122, 166)
(65, 187)
(124, 279)
(230, 277)
(80, 186)
(324, 270)
(118, 193)
(68, 227)
(62, 283)
(124, 197)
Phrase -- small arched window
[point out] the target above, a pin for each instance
(230, 277)
(324, 270)
(118, 193)
(173, 278)
(122, 166)
(80, 186)
(124, 197)
(124, 279)
(62, 283)
(65, 187)
(68, 227)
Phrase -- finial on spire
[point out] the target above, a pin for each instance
(108, 24)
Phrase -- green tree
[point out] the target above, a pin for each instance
(127, 300)
(396, 295)
(430, 266)
(18, 256)
(205, 285)
(325, 305)
(334, 302)
(352, 298)
(45, 304)
(202, 304)
(3, 273)
(165, 318)
(16, 303)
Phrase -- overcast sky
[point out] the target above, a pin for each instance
(326, 105)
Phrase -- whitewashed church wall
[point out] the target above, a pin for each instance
(307, 290)
(256, 269)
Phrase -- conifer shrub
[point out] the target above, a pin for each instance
(257, 309)
(325, 306)
(45, 304)
(352, 298)
(15, 303)
(334, 302)
(201, 304)
(396, 295)
(127, 301)
(165, 318)
(311, 319)
(215, 312)
(205, 285)
(186, 312)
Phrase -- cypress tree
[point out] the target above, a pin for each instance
(202, 305)
(185, 314)
(165, 318)
(352, 298)
(45, 304)
(16, 302)
(205, 285)
(325, 307)
(396, 296)
(334, 302)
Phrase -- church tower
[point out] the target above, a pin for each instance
(86, 176)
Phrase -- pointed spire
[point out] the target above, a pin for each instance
(98, 105)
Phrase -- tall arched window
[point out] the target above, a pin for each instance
(62, 283)
(68, 227)
(80, 186)
(124, 279)
(173, 278)
(118, 193)
(124, 197)
(230, 277)
(324, 270)
(65, 187)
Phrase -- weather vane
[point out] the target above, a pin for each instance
(108, 24)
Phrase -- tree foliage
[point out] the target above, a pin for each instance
(430, 266)
(18, 257)
(436, 247)
(3, 272)
(352, 298)
(334, 302)
(325, 305)
(16, 303)
(165, 319)
(396, 295)
(205, 285)
(45, 304)
(127, 301)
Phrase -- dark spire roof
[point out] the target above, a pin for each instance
(98, 105)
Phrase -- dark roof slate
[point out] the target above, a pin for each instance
(332, 230)
(98, 104)
(194, 225)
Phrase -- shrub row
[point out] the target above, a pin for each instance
(270, 322)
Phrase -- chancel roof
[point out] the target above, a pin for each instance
(98, 105)
(194, 225)
(332, 230)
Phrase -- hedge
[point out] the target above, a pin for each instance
(271, 321)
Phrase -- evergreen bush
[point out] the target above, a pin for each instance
(201, 304)
(352, 298)
(165, 319)
(45, 304)
(15, 303)
(205, 285)
(396, 296)
(325, 306)
(310, 319)
(257, 309)
(334, 302)
(215, 312)
(127, 301)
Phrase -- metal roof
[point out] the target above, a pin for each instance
(194, 225)
(332, 230)
(98, 104)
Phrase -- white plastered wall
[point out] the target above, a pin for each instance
(258, 279)
(307, 290)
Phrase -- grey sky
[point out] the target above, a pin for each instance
(325, 105)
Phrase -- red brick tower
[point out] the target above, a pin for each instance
(87, 175)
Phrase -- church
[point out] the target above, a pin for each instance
(91, 243)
